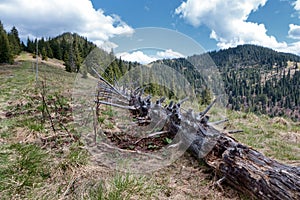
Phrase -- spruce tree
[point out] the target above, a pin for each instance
(76, 53)
(30, 46)
(5, 51)
(14, 41)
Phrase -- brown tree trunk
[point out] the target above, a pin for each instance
(249, 171)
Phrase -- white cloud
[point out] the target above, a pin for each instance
(169, 53)
(294, 31)
(228, 22)
(297, 5)
(143, 58)
(37, 18)
(137, 56)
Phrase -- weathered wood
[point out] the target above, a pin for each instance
(107, 83)
(242, 167)
(250, 171)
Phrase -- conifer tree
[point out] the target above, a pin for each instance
(14, 41)
(30, 46)
(5, 51)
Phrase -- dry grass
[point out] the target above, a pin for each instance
(278, 138)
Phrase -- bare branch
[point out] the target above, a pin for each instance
(117, 105)
(234, 131)
(202, 114)
(218, 122)
(110, 85)
(151, 135)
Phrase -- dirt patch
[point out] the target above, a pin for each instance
(186, 179)
(280, 120)
(130, 142)
(50, 61)
(182, 180)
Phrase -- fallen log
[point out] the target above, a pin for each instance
(240, 166)
(249, 171)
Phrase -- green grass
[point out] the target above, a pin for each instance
(109, 125)
(101, 119)
(109, 112)
(25, 166)
(22, 168)
(270, 136)
(76, 156)
(123, 187)
(35, 170)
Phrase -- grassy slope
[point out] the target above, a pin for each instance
(277, 137)
(36, 162)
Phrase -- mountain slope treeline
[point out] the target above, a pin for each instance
(250, 55)
(71, 48)
(258, 79)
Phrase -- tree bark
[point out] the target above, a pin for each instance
(249, 171)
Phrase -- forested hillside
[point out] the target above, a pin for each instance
(256, 79)
(71, 48)
(252, 55)
(261, 80)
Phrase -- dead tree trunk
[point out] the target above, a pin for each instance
(242, 167)
(249, 171)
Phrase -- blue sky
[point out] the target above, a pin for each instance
(214, 24)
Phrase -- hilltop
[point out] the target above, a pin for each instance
(251, 56)
(256, 79)
(71, 48)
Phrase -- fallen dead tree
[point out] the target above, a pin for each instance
(240, 166)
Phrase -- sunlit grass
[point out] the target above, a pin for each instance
(275, 137)
(123, 186)
(22, 168)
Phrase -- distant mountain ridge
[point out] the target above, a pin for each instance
(247, 55)
(256, 79)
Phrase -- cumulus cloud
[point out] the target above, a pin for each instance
(169, 53)
(297, 5)
(38, 18)
(143, 58)
(137, 56)
(228, 22)
(294, 31)
(292, 48)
